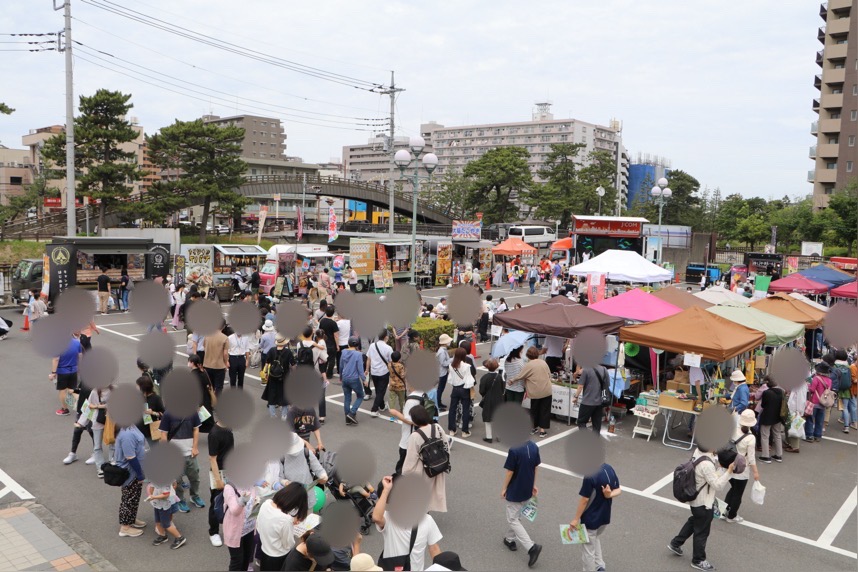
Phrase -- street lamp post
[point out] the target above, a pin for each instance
(601, 192)
(403, 159)
(661, 192)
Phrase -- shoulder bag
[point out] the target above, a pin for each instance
(605, 393)
(399, 562)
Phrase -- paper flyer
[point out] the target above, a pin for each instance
(530, 509)
(569, 535)
(204, 414)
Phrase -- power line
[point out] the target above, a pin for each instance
(214, 42)
(198, 67)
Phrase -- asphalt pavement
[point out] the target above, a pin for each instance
(808, 521)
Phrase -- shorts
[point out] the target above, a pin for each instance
(164, 516)
(66, 381)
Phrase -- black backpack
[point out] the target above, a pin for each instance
(433, 454)
(427, 403)
(277, 370)
(684, 479)
(730, 447)
(304, 355)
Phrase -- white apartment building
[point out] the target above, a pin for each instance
(370, 162)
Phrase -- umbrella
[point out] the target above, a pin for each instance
(509, 342)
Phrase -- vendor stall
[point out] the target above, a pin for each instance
(557, 317)
(828, 275)
(681, 298)
(797, 282)
(636, 305)
(718, 295)
(213, 265)
(846, 291)
(515, 247)
(623, 266)
(778, 331)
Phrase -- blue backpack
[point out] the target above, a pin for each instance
(835, 376)
(218, 506)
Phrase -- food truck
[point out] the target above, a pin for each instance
(382, 260)
(596, 234)
(213, 265)
(285, 262)
(72, 261)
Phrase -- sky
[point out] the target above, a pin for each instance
(721, 89)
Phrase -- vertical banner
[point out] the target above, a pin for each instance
(443, 263)
(300, 222)
(332, 224)
(63, 268)
(761, 286)
(263, 213)
(595, 287)
(380, 256)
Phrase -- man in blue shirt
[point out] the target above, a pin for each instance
(741, 393)
(519, 486)
(64, 371)
(352, 377)
(594, 512)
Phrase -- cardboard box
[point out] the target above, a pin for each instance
(672, 402)
(674, 385)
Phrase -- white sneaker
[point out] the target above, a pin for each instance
(70, 458)
(216, 540)
(737, 519)
(91, 460)
(373, 413)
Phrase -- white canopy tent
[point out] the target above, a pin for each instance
(718, 295)
(623, 266)
(808, 301)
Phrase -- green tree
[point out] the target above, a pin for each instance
(106, 171)
(497, 181)
(683, 206)
(844, 204)
(559, 193)
(5, 109)
(207, 158)
(752, 228)
(600, 171)
(793, 222)
(727, 219)
(449, 195)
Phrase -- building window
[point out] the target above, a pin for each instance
(831, 165)
(848, 166)
(855, 89)
(828, 190)
(838, 66)
(837, 90)
(851, 141)
(835, 115)
(834, 140)
(853, 115)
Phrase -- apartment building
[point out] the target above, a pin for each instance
(646, 169)
(370, 162)
(264, 137)
(16, 171)
(457, 146)
(835, 154)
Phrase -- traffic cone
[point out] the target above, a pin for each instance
(26, 327)
(488, 283)
(474, 349)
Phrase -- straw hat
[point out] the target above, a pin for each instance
(444, 340)
(280, 340)
(363, 561)
(268, 326)
(737, 375)
(747, 418)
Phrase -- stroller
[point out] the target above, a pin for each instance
(340, 491)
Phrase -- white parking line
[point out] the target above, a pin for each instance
(13, 486)
(547, 440)
(833, 529)
(839, 441)
(658, 485)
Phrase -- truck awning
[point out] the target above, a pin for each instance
(317, 255)
(474, 243)
(240, 249)
(396, 243)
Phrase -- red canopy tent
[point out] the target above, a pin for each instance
(636, 305)
(513, 246)
(798, 283)
(846, 291)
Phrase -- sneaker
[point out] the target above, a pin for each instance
(321, 420)
(675, 549)
(534, 554)
(534, 431)
(183, 506)
(777, 459)
(159, 540)
(510, 544)
(442, 408)
(127, 531)
(179, 542)
(350, 420)
(702, 565)
(373, 413)
(600, 569)
(466, 434)
(216, 540)
(3, 337)
(487, 440)
(70, 458)
(138, 523)
(738, 519)
(62, 411)
(543, 434)
(392, 419)
(198, 501)
(99, 473)
(383, 407)
(453, 433)
(765, 460)
(846, 431)
(808, 439)
(91, 460)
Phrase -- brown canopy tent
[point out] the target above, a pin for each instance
(557, 317)
(695, 331)
(788, 308)
(681, 298)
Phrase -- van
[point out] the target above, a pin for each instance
(539, 236)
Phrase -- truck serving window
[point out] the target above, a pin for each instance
(269, 268)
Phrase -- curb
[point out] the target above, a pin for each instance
(92, 557)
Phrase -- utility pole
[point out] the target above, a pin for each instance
(391, 91)
(71, 219)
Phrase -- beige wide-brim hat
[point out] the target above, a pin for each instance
(280, 341)
(737, 375)
(444, 340)
(363, 562)
(747, 418)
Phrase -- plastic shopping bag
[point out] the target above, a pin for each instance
(758, 492)
(796, 427)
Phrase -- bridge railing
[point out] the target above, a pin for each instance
(441, 230)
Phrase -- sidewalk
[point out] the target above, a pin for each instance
(32, 538)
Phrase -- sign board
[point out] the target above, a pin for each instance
(158, 261)
(497, 331)
(278, 286)
(608, 227)
(443, 263)
(62, 272)
(378, 279)
(199, 264)
(812, 249)
(691, 360)
(276, 197)
(595, 287)
(388, 278)
(466, 230)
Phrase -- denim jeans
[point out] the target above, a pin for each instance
(533, 286)
(349, 386)
(849, 406)
(815, 423)
(124, 299)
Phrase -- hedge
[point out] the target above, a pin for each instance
(430, 330)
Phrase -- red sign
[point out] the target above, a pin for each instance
(608, 227)
(479, 216)
(844, 262)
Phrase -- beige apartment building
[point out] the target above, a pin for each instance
(836, 130)
(370, 162)
(16, 171)
(264, 137)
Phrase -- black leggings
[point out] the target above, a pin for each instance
(540, 413)
(380, 382)
(239, 558)
(78, 431)
(734, 496)
(590, 413)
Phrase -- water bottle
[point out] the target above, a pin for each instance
(612, 425)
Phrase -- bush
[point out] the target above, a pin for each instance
(430, 330)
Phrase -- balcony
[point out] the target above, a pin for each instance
(820, 56)
(837, 26)
(816, 105)
(823, 10)
(839, 4)
(829, 125)
(832, 101)
(812, 153)
(810, 176)
(814, 128)
(836, 51)
(828, 151)
(825, 176)
(820, 35)
(817, 81)
(835, 75)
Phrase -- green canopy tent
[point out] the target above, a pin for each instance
(778, 330)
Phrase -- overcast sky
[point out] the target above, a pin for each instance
(722, 89)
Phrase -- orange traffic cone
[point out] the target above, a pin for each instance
(474, 349)
(26, 327)
(489, 282)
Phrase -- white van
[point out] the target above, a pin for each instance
(539, 236)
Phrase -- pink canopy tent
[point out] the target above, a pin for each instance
(849, 290)
(636, 305)
(798, 283)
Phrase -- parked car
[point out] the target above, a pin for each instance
(222, 229)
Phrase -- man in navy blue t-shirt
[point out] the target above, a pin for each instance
(594, 511)
(64, 371)
(519, 486)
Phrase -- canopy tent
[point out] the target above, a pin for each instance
(513, 246)
(718, 295)
(822, 273)
(557, 317)
(808, 301)
(778, 331)
(636, 305)
(695, 331)
(846, 291)
(800, 283)
(623, 266)
(562, 244)
(789, 308)
(681, 298)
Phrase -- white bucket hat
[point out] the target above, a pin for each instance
(737, 375)
(268, 326)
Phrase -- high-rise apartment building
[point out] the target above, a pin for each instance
(264, 137)
(836, 130)
(370, 162)
(457, 146)
(644, 172)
